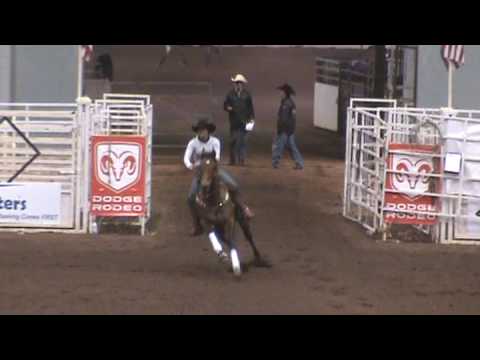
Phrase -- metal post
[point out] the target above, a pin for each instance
(450, 84)
(380, 72)
(80, 72)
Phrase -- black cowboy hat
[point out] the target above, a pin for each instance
(287, 88)
(203, 123)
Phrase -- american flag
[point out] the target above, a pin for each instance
(453, 53)
(87, 52)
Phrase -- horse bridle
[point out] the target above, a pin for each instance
(203, 203)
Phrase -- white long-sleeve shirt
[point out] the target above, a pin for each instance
(195, 148)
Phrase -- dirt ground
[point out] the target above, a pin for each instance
(323, 264)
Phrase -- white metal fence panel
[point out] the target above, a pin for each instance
(55, 131)
(127, 115)
(50, 143)
(370, 131)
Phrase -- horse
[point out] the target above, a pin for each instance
(220, 215)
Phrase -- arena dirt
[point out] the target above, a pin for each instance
(323, 264)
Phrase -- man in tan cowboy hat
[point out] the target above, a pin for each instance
(239, 106)
(205, 142)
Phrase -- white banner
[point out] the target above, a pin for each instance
(466, 149)
(30, 203)
(465, 228)
(326, 107)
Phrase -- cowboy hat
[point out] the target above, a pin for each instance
(239, 78)
(204, 124)
(287, 88)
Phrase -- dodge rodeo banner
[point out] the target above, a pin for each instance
(410, 187)
(118, 187)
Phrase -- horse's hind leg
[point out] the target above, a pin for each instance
(248, 235)
(244, 225)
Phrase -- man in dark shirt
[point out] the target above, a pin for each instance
(286, 129)
(239, 106)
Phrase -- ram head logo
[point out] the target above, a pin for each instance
(118, 165)
(418, 183)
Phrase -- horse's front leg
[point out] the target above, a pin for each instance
(230, 240)
(216, 235)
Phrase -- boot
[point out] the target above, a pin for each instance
(236, 198)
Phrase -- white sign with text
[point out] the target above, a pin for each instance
(30, 203)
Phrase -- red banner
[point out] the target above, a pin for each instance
(118, 181)
(412, 186)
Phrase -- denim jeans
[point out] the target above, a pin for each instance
(281, 143)
(238, 146)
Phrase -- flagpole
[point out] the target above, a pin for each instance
(80, 72)
(450, 84)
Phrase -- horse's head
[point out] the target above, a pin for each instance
(208, 170)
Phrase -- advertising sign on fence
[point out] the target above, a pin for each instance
(28, 204)
(411, 188)
(118, 181)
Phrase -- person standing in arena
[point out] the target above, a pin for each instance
(239, 105)
(287, 116)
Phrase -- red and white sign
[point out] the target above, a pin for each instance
(411, 186)
(118, 187)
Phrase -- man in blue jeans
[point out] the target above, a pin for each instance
(286, 129)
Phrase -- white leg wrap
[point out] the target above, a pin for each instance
(235, 262)
(217, 247)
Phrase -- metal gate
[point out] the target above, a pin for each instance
(45, 143)
(443, 137)
(125, 114)
(338, 82)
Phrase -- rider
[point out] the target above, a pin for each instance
(204, 142)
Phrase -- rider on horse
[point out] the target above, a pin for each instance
(205, 143)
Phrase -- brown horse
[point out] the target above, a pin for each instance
(217, 210)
